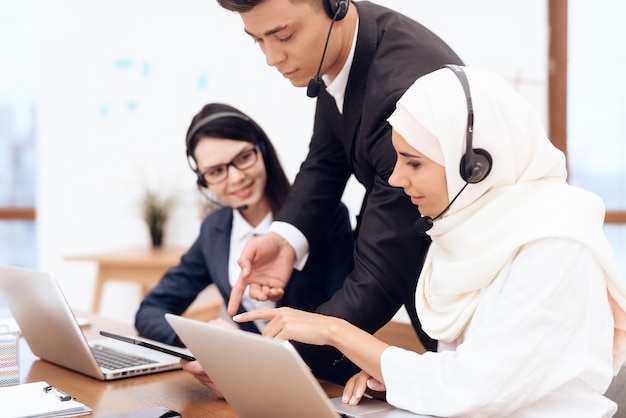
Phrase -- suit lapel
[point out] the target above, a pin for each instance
(357, 80)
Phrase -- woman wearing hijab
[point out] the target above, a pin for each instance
(519, 286)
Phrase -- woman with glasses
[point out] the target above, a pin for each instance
(238, 169)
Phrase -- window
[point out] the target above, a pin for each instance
(588, 101)
(18, 109)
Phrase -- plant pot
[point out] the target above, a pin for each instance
(157, 237)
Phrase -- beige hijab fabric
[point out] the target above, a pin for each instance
(524, 198)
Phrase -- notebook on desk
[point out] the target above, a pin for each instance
(262, 377)
(53, 334)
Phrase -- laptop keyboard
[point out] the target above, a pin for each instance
(114, 360)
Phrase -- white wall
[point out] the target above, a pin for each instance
(121, 80)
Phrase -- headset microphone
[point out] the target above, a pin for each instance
(315, 84)
(424, 223)
(208, 195)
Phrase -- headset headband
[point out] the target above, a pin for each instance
(211, 118)
(476, 162)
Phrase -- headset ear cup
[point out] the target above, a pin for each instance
(477, 168)
(331, 7)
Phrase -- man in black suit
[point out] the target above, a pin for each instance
(373, 55)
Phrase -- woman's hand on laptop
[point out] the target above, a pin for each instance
(223, 323)
(362, 348)
(362, 384)
(196, 370)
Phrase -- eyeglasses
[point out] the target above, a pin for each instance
(243, 160)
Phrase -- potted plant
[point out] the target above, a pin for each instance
(156, 211)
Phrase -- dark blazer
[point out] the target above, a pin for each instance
(206, 262)
(392, 51)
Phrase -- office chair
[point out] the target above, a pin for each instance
(617, 393)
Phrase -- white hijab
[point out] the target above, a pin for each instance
(524, 198)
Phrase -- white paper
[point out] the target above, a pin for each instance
(31, 400)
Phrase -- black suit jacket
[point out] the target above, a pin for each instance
(392, 51)
(206, 262)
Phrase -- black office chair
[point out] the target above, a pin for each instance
(617, 393)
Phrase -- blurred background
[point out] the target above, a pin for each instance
(96, 98)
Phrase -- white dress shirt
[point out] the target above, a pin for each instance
(240, 234)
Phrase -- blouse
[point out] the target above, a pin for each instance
(539, 345)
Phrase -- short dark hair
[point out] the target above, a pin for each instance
(242, 6)
(242, 128)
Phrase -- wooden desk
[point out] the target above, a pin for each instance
(143, 266)
(176, 390)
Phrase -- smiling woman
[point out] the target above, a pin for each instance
(237, 168)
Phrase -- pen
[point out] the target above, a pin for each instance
(59, 394)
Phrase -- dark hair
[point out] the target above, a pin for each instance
(236, 125)
(242, 6)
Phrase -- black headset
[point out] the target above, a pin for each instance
(336, 9)
(476, 163)
(204, 122)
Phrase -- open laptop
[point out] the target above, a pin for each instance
(262, 377)
(53, 334)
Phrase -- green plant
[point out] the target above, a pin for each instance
(156, 211)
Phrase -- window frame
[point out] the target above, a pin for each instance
(557, 87)
(17, 214)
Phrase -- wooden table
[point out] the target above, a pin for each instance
(143, 266)
(176, 390)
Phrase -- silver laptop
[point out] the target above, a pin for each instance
(262, 377)
(53, 334)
